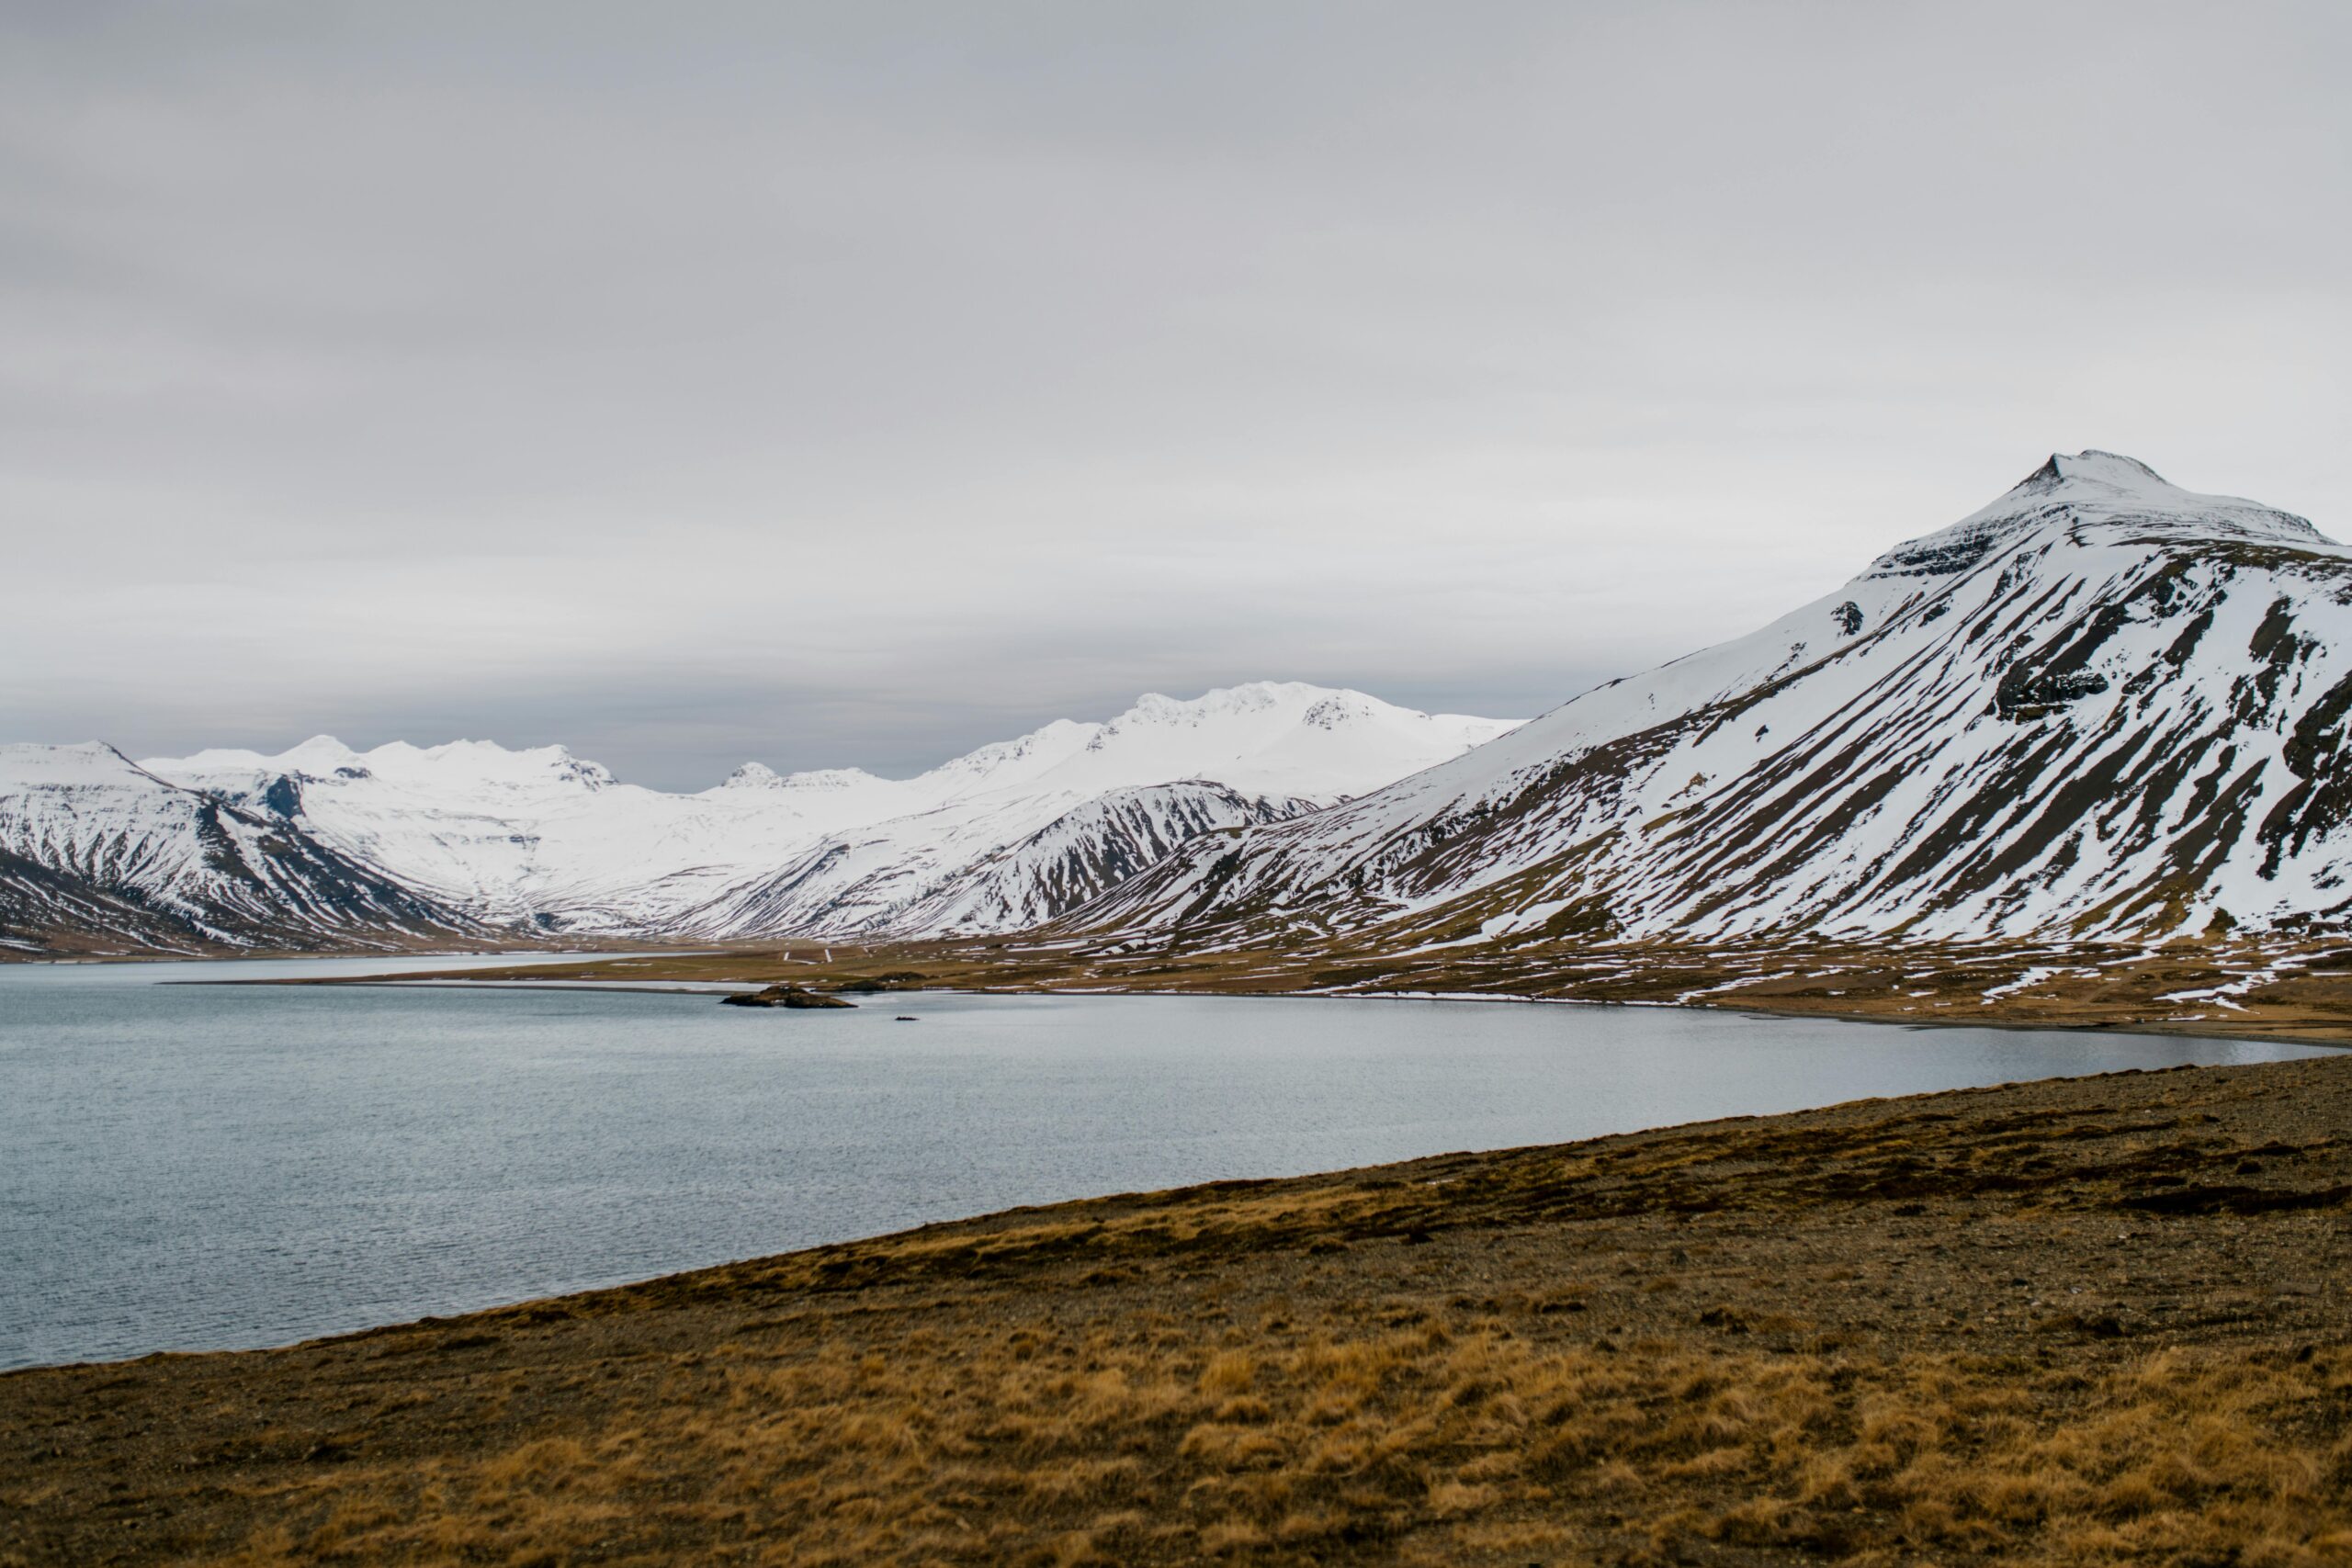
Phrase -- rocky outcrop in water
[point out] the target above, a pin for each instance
(783, 996)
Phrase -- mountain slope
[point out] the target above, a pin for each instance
(539, 838)
(98, 854)
(1088, 850)
(2101, 705)
(891, 882)
(535, 837)
(1015, 841)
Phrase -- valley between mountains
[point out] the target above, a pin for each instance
(2078, 756)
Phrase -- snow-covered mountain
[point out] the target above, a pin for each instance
(990, 863)
(98, 853)
(535, 837)
(2100, 706)
(1086, 852)
(1021, 830)
(1007, 835)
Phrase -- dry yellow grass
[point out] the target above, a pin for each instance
(2098, 1322)
(1453, 1445)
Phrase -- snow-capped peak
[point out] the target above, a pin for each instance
(2086, 493)
(2101, 703)
(1274, 737)
(1000, 762)
(455, 766)
(541, 835)
(488, 761)
(2092, 466)
(319, 754)
(98, 851)
(2108, 487)
(753, 775)
(1250, 696)
(1343, 707)
(1284, 702)
(75, 765)
(759, 775)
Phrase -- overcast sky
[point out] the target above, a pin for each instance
(852, 384)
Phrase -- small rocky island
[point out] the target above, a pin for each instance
(783, 996)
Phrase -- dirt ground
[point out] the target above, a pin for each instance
(2099, 1320)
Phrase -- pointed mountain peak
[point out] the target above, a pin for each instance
(2111, 470)
(2093, 494)
(2106, 487)
(320, 754)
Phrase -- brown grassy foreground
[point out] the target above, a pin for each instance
(2086, 1321)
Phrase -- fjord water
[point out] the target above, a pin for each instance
(198, 1166)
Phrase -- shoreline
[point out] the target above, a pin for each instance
(2141, 1253)
(2155, 1028)
(2296, 992)
(2279, 990)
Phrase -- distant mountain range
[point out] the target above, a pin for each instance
(326, 846)
(2100, 707)
(99, 856)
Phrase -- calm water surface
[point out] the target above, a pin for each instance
(196, 1167)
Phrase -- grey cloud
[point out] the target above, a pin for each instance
(850, 383)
